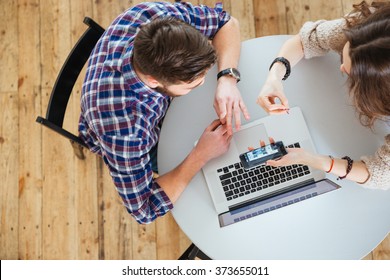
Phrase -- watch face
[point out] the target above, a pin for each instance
(235, 73)
(231, 72)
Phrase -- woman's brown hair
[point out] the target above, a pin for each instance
(369, 78)
(172, 51)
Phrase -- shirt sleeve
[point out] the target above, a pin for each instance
(206, 19)
(132, 175)
(322, 36)
(378, 166)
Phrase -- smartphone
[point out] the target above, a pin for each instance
(261, 155)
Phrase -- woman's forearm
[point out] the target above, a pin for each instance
(338, 167)
(358, 173)
(292, 50)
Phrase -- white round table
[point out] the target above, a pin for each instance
(344, 224)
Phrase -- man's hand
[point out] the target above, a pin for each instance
(228, 103)
(214, 141)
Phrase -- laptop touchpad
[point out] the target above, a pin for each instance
(250, 137)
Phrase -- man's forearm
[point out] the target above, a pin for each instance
(227, 43)
(174, 182)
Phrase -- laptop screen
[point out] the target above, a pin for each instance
(276, 201)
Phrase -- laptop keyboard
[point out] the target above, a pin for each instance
(237, 181)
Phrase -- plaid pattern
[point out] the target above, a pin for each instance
(120, 116)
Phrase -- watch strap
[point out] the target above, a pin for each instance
(229, 71)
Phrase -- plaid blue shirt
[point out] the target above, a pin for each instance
(120, 115)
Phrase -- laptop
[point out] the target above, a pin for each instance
(239, 193)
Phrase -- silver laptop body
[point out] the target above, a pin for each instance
(290, 128)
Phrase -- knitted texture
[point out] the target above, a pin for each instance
(379, 167)
(320, 37)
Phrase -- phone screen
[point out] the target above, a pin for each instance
(261, 152)
(261, 155)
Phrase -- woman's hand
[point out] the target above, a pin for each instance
(293, 156)
(271, 97)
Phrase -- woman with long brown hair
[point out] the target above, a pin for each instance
(362, 38)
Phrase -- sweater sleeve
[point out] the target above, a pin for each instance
(378, 166)
(322, 36)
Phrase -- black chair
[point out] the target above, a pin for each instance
(65, 81)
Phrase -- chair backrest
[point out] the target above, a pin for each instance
(67, 78)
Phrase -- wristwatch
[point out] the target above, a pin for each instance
(231, 72)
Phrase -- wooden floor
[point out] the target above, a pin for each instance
(53, 205)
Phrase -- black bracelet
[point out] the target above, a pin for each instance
(286, 64)
(349, 167)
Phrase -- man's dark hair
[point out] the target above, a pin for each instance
(172, 51)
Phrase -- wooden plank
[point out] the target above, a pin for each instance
(243, 11)
(325, 10)
(382, 252)
(368, 257)
(270, 17)
(184, 242)
(297, 13)
(85, 171)
(145, 242)
(9, 135)
(9, 162)
(300, 11)
(59, 218)
(30, 150)
(104, 12)
(115, 224)
(86, 183)
(8, 46)
(168, 237)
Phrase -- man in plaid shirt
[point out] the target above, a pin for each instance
(148, 55)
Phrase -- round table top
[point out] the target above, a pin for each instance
(344, 224)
